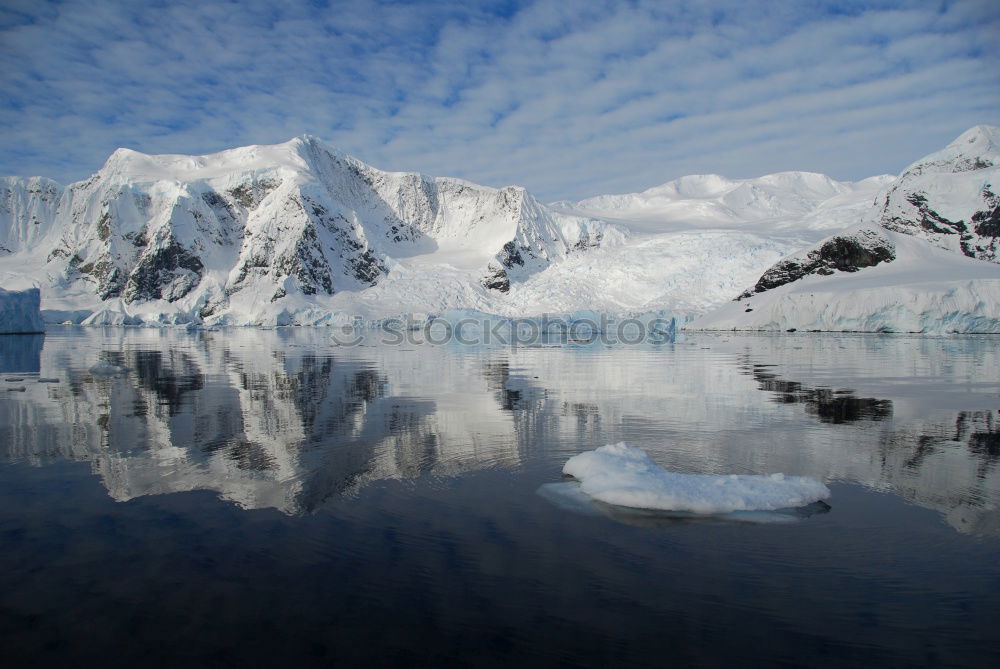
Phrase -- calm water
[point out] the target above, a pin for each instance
(264, 497)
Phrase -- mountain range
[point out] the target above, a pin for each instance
(301, 233)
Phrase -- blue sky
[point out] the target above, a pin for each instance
(569, 99)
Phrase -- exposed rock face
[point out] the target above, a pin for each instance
(510, 255)
(986, 223)
(844, 253)
(496, 278)
(167, 272)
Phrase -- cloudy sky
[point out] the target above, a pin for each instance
(568, 98)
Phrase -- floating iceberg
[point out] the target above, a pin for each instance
(626, 476)
(19, 311)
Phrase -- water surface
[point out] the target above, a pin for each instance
(255, 497)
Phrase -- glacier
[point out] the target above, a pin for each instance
(300, 233)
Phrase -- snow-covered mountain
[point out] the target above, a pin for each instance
(914, 263)
(803, 201)
(300, 233)
(227, 237)
(949, 198)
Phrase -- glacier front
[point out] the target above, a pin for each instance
(19, 311)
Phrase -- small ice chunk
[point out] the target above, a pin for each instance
(105, 368)
(624, 475)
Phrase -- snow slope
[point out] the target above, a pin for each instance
(924, 289)
(924, 259)
(27, 210)
(797, 202)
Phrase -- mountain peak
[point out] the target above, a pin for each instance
(131, 165)
(985, 136)
(976, 148)
(692, 185)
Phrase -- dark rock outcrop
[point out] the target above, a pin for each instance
(496, 278)
(843, 253)
(166, 272)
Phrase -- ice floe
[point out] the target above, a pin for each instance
(626, 476)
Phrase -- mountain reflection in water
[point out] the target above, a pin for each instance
(284, 419)
(830, 406)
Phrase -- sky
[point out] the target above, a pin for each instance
(569, 99)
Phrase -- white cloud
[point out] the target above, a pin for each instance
(568, 99)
